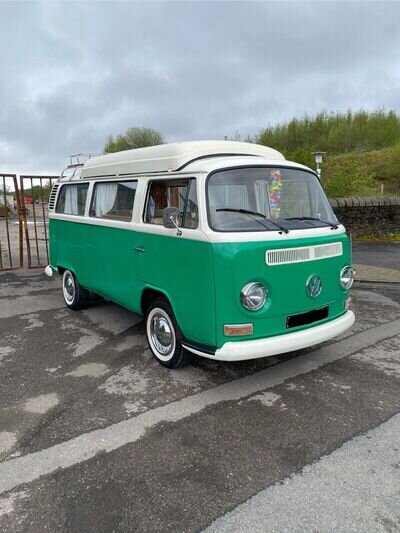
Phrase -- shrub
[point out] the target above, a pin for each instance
(349, 178)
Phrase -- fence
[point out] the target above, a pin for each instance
(24, 220)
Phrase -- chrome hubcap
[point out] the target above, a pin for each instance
(69, 287)
(161, 334)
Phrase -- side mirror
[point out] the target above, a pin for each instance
(170, 219)
(167, 213)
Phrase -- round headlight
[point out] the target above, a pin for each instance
(253, 296)
(346, 277)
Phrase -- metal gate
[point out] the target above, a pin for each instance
(24, 220)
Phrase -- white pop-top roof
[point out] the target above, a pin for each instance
(170, 157)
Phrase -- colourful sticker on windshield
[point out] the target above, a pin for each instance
(275, 188)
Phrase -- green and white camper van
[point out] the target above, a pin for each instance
(228, 250)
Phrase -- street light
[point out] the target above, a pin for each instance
(318, 161)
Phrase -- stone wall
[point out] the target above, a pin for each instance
(376, 217)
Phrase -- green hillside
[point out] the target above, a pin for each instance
(363, 149)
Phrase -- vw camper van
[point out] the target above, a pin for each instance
(228, 250)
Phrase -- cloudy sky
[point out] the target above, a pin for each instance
(74, 72)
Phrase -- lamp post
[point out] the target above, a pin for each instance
(318, 161)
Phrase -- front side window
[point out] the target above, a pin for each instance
(180, 193)
(113, 201)
(72, 199)
(260, 199)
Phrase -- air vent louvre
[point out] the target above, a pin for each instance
(53, 195)
(328, 250)
(305, 253)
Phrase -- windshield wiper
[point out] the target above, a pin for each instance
(248, 212)
(327, 222)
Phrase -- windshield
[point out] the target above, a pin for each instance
(262, 199)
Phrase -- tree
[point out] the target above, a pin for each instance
(302, 156)
(335, 133)
(350, 178)
(134, 138)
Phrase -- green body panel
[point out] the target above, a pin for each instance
(101, 257)
(236, 264)
(183, 270)
(201, 280)
(104, 260)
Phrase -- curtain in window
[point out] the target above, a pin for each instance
(237, 196)
(216, 194)
(71, 200)
(105, 198)
(262, 197)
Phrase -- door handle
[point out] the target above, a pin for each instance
(139, 249)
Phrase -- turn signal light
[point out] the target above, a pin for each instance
(238, 329)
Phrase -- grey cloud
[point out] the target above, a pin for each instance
(75, 72)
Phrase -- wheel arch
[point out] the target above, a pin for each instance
(61, 269)
(150, 294)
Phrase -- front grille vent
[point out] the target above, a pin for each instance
(53, 194)
(285, 256)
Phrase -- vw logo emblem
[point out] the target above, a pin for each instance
(314, 286)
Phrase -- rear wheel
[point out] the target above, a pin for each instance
(75, 296)
(163, 334)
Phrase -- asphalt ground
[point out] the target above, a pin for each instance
(97, 436)
(377, 254)
(377, 261)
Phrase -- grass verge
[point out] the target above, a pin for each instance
(387, 238)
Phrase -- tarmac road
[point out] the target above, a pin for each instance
(378, 254)
(96, 436)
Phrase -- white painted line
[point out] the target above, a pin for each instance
(355, 488)
(32, 466)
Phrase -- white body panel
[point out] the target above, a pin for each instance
(170, 157)
(197, 169)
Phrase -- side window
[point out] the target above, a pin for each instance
(72, 199)
(113, 201)
(181, 194)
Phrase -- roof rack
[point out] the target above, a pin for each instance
(170, 157)
(78, 158)
(73, 170)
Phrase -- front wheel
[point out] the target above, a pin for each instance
(75, 296)
(163, 334)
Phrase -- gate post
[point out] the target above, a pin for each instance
(21, 224)
(7, 230)
(22, 217)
